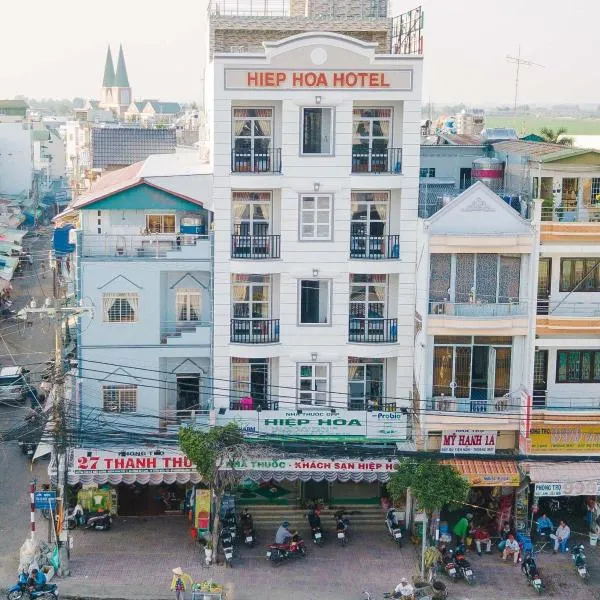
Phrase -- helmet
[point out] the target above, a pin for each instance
(469, 516)
(285, 524)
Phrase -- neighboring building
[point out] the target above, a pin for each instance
(16, 159)
(160, 113)
(13, 110)
(115, 147)
(474, 309)
(116, 91)
(315, 145)
(470, 122)
(49, 157)
(133, 112)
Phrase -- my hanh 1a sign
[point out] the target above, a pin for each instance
(469, 441)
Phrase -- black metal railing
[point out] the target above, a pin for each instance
(373, 247)
(247, 161)
(255, 246)
(373, 330)
(371, 404)
(254, 331)
(377, 161)
(251, 403)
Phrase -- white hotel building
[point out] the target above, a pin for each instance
(315, 146)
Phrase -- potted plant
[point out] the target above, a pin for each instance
(208, 552)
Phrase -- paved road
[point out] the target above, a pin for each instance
(21, 345)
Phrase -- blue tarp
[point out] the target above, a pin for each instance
(60, 240)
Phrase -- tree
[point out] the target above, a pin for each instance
(215, 452)
(433, 484)
(552, 136)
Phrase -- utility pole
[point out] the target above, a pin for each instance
(519, 61)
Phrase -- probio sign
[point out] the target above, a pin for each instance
(241, 79)
(130, 461)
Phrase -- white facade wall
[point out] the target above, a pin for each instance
(300, 259)
(16, 158)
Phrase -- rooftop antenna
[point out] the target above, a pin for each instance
(519, 61)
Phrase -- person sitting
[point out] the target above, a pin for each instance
(37, 580)
(314, 520)
(246, 519)
(283, 534)
(544, 525)
(511, 548)
(481, 536)
(561, 537)
(404, 589)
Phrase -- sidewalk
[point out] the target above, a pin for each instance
(134, 561)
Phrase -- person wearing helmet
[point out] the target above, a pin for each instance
(283, 534)
(462, 527)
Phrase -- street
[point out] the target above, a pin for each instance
(26, 346)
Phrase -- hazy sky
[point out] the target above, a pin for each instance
(57, 48)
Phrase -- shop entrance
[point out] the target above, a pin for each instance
(316, 491)
(143, 500)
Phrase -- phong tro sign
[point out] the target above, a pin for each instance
(381, 79)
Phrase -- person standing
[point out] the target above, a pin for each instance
(178, 583)
(462, 527)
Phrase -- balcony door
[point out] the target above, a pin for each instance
(544, 284)
(365, 383)
(371, 134)
(188, 393)
(188, 305)
(368, 224)
(252, 138)
(251, 306)
(251, 213)
(250, 383)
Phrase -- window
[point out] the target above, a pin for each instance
(252, 137)
(188, 304)
(188, 392)
(160, 223)
(315, 217)
(367, 296)
(580, 273)
(371, 130)
(120, 308)
(251, 296)
(251, 213)
(314, 302)
(313, 384)
(578, 366)
(317, 130)
(119, 398)
(249, 379)
(365, 383)
(595, 191)
(369, 214)
(426, 172)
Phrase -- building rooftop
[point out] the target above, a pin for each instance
(461, 139)
(539, 151)
(165, 108)
(16, 103)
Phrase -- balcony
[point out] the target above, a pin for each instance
(377, 161)
(255, 247)
(254, 331)
(247, 161)
(374, 247)
(541, 401)
(373, 330)
(573, 310)
(171, 420)
(571, 214)
(450, 404)
(476, 309)
(177, 333)
(141, 247)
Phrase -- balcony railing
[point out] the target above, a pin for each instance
(373, 247)
(371, 404)
(247, 161)
(373, 330)
(541, 401)
(175, 418)
(377, 161)
(482, 310)
(502, 404)
(256, 247)
(250, 403)
(254, 331)
(556, 308)
(571, 214)
(249, 8)
(152, 245)
(178, 329)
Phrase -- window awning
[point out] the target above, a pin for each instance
(564, 478)
(488, 473)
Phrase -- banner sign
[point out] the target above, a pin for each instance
(568, 488)
(202, 510)
(565, 439)
(45, 500)
(137, 460)
(317, 464)
(468, 441)
(390, 426)
(242, 79)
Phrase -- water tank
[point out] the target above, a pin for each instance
(489, 171)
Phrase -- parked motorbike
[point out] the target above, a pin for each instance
(76, 517)
(341, 527)
(463, 566)
(532, 574)
(393, 525)
(247, 531)
(229, 521)
(578, 557)
(228, 545)
(449, 565)
(21, 589)
(295, 548)
(317, 536)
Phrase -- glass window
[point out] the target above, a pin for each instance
(250, 296)
(313, 384)
(188, 304)
(371, 131)
(317, 130)
(252, 137)
(249, 379)
(365, 383)
(315, 217)
(368, 296)
(426, 172)
(120, 308)
(578, 366)
(119, 398)
(314, 302)
(251, 213)
(580, 275)
(595, 191)
(369, 213)
(160, 223)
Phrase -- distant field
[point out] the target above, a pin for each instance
(533, 124)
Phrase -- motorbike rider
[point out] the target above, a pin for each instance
(404, 589)
(246, 519)
(37, 581)
(314, 520)
(283, 534)
(341, 524)
(529, 567)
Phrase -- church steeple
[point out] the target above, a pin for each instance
(109, 71)
(121, 79)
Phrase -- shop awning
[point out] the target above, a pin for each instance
(488, 473)
(564, 478)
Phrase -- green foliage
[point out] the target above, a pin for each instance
(433, 484)
(210, 449)
(552, 136)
